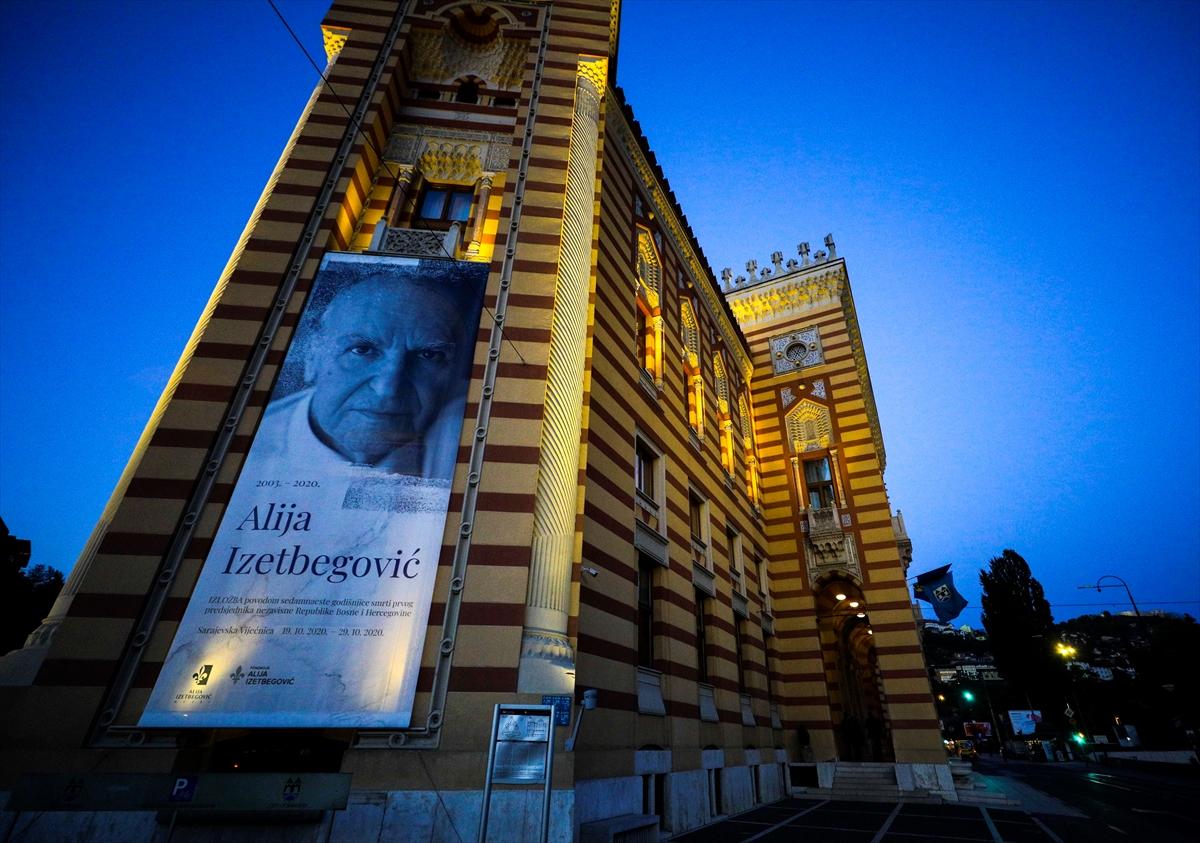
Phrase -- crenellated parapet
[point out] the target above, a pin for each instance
(755, 276)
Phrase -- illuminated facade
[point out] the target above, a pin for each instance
(669, 489)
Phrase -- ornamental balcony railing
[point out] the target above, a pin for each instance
(417, 242)
(830, 548)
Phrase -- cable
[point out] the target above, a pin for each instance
(395, 175)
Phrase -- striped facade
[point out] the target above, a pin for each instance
(717, 657)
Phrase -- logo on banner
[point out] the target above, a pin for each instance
(200, 677)
(237, 675)
(942, 593)
(291, 789)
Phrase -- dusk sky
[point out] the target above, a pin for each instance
(1015, 188)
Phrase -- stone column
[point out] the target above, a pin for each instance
(837, 478)
(547, 658)
(799, 484)
(483, 189)
(399, 192)
(656, 322)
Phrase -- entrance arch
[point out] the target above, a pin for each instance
(857, 702)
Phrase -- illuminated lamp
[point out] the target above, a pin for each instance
(861, 615)
(853, 604)
(839, 597)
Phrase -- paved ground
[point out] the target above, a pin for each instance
(1060, 803)
(884, 822)
(834, 821)
(1162, 805)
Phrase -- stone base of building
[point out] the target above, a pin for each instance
(451, 816)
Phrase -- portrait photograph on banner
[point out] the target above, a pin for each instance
(311, 607)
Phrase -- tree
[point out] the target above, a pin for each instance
(26, 594)
(1019, 624)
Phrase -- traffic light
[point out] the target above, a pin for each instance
(968, 696)
(1080, 739)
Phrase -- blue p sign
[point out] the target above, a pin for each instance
(183, 790)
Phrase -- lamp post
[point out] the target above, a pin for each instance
(1119, 584)
(1068, 652)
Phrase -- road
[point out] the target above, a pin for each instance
(1131, 804)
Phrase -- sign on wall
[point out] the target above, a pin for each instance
(1024, 722)
(311, 607)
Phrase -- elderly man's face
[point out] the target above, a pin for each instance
(380, 365)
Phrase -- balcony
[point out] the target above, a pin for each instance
(830, 548)
(417, 242)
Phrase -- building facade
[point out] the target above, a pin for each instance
(668, 489)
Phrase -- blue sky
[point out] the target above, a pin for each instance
(1015, 187)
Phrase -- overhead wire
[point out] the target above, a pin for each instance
(383, 161)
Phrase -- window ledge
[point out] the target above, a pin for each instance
(647, 383)
(649, 692)
(708, 703)
(747, 710)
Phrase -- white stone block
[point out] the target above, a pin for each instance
(737, 793)
(687, 800)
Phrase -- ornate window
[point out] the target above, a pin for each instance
(724, 420)
(442, 204)
(694, 380)
(649, 339)
(809, 427)
(753, 483)
(819, 482)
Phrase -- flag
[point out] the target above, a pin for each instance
(936, 587)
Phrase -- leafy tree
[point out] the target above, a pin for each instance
(26, 594)
(1017, 618)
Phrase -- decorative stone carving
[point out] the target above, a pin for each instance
(829, 547)
(787, 397)
(818, 388)
(777, 259)
(802, 250)
(796, 350)
(649, 268)
(809, 427)
(829, 245)
(787, 295)
(414, 242)
(439, 57)
(410, 145)
(451, 162)
(335, 38)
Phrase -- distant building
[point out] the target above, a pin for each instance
(668, 488)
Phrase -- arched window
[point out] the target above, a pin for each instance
(468, 90)
(649, 340)
(753, 481)
(724, 421)
(694, 380)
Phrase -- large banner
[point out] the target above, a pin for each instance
(1024, 721)
(311, 608)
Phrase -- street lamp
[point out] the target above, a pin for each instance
(1119, 584)
(1065, 650)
